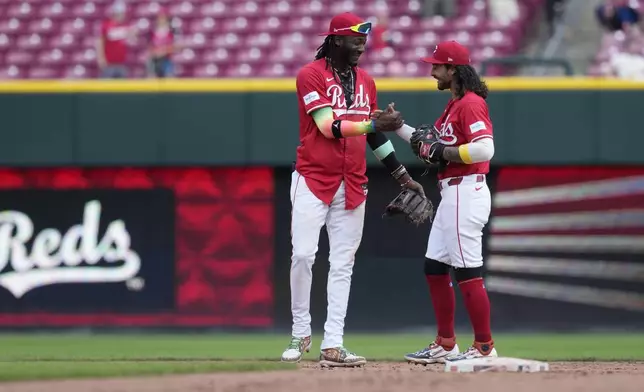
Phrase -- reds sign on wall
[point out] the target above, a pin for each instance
(137, 247)
(78, 250)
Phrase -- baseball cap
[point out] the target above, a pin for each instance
(348, 24)
(449, 52)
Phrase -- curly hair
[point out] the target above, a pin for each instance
(467, 79)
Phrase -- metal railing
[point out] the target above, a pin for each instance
(528, 61)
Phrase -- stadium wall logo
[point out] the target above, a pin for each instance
(71, 257)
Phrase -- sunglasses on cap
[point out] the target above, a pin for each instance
(362, 28)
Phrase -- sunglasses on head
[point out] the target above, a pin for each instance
(362, 28)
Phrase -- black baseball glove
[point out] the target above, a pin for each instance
(415, 207)
(426, 144)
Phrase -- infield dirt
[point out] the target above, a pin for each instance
(377, 376)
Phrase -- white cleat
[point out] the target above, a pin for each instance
(296, 349)
(434, 353)
(477, 350)
(340, 357)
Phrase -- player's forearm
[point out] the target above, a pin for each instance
(453, 154)
(405, 132)
(100, 54)
(384, 151)
(337, 129)
(478, 151)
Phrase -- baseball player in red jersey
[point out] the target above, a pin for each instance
(463, 154)
(329, 185)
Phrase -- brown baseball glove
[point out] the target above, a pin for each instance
(415, 207)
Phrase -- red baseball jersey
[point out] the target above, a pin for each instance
(114, 37)
(161, 40)
(464, 121)
(323, 162)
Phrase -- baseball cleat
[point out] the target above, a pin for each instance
(477, 350)
(296, 349)
(340, 357)
(434, 353)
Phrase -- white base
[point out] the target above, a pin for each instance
(496, 364)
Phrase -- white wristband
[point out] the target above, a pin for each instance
(405, 132)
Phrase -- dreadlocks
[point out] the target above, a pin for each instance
(325, 50)
(466, 79)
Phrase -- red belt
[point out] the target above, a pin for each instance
(458, 180)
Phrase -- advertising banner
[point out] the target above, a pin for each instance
(136, 247)
(86, 250)
(567, 247)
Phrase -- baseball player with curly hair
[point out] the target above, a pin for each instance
(461, 144)
(329, 183)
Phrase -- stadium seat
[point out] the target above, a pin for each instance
(249, 38)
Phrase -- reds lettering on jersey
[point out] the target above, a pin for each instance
(464, 121)
(325, 163)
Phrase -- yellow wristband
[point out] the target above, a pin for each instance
(464, 153)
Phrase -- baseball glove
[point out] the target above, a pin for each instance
(415, 207)
(426, 144)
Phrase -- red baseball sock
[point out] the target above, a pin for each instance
(444, 302)
(478, 307)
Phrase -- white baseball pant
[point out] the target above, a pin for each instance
(456, 236)
(344, 228)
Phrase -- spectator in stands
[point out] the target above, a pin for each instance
(503, 10)
(111, 47)
(380, 36)
(445, 8)
(629, 63)
(162, 43)
(615, 15)
(554, 10)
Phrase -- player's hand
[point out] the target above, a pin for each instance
(431, 152)
(415, 186)
(376, 113)
(387, 120)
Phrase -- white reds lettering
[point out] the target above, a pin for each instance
(57, 257)
(338, 100)
(117, 33)
(446, 132)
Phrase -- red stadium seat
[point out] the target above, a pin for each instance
(12, 72)
(215, 8)
(20, 10)
(207, 71)
(19, 57)
(249, 38)
(39, 72)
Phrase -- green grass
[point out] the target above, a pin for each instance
(41, 370)
(29, 356)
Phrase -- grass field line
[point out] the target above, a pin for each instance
(142, 359)
(268, 347)
(56, 356)
(273, 360)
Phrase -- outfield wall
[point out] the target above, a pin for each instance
(126, 204)
(196, 122)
